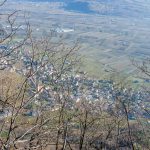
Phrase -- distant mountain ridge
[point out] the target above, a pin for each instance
(125, 8)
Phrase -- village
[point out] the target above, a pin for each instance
(43, 87)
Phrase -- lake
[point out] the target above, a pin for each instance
(81, 7)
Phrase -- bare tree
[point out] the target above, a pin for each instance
(40, 105)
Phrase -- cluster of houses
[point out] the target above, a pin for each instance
(44, 89)
(44, 86)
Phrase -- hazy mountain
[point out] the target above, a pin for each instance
(125, 8)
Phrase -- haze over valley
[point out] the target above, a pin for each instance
(109, 32)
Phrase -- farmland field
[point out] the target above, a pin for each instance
(109, 33)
